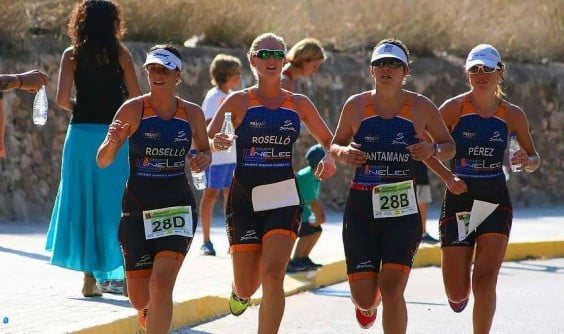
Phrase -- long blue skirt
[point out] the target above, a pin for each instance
(84, 224)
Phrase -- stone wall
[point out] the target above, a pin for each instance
(29, 176)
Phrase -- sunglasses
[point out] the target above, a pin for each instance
(265, 54)
(390, 62)
(485, 69)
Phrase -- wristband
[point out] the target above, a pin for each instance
(19, 80)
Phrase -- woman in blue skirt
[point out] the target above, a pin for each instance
(84, 223)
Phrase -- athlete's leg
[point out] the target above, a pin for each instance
(246, 272)
(392, 284)
(456, 265)
(423, 212)
(161, 284)
(207, 202)
(302, 246)
(138, 291)
(365, 293)
(490, 250)
(225, 197)
(314, 239)
(276, 251)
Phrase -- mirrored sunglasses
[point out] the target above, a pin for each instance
(265, 54)
(485, 69)
(390, 62)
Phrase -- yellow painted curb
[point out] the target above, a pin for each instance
(197, 310)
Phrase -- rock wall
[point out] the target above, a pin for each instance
(29, 176)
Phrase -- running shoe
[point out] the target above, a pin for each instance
(458, 307)
(365, 318)
(207, 249)
(114, 286)
(238, 305)
(308, 262)
(427, 238)
(296, 265)
(142, 317)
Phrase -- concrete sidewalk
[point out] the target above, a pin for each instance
(40, 298)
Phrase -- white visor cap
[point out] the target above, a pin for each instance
(389, 50)
(165, 58)
(483, 54)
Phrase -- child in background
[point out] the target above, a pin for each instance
(225, 72)
(312, 216)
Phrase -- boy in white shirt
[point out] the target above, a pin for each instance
(225, 72)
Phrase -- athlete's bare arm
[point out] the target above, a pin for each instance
(236, 103)
(29, 81)
(342, 147)
(527, 156)
(199, 137)
(129, 77)
(125, 123)
(66, 78)
(319, 130)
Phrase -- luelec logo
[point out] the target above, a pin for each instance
(181, 137)
(370, 138)
(250, 235)
(287, 126)
(496, 137)
(469, 134)
(257, 124)
(400, 140)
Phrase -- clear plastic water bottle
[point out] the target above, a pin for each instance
(514, 147)
(228, 129)
(40, 106)
(198, 178)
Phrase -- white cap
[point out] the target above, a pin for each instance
(483, 54)
(165, 58)
(389, 50)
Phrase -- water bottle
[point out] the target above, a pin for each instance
(40, 107)
(514, 147)
(228, 129)
(198, 178)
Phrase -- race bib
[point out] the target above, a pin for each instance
(394, 200)
(176, 220)
(275, 195)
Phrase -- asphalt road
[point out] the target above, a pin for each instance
(530, 296)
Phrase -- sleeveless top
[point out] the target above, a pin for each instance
(158, 148)
(480, 142)
(265, 141)
(100, 91)
(385, 142)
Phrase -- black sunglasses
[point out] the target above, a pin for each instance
(266, 53)
(486, 69)
(390, 62)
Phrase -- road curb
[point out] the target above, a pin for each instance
(197, 310)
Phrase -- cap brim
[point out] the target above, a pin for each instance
(389, 55)
(483, 62)
(156, 60)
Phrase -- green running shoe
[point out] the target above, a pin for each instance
(238, 305)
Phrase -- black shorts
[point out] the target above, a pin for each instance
(246, 228)
(493, 190)
(306, 229)
(370, 243)
(138, 252)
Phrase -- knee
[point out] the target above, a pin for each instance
(273, 274)
(483, 284)
(160, 289)
(391, 293)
